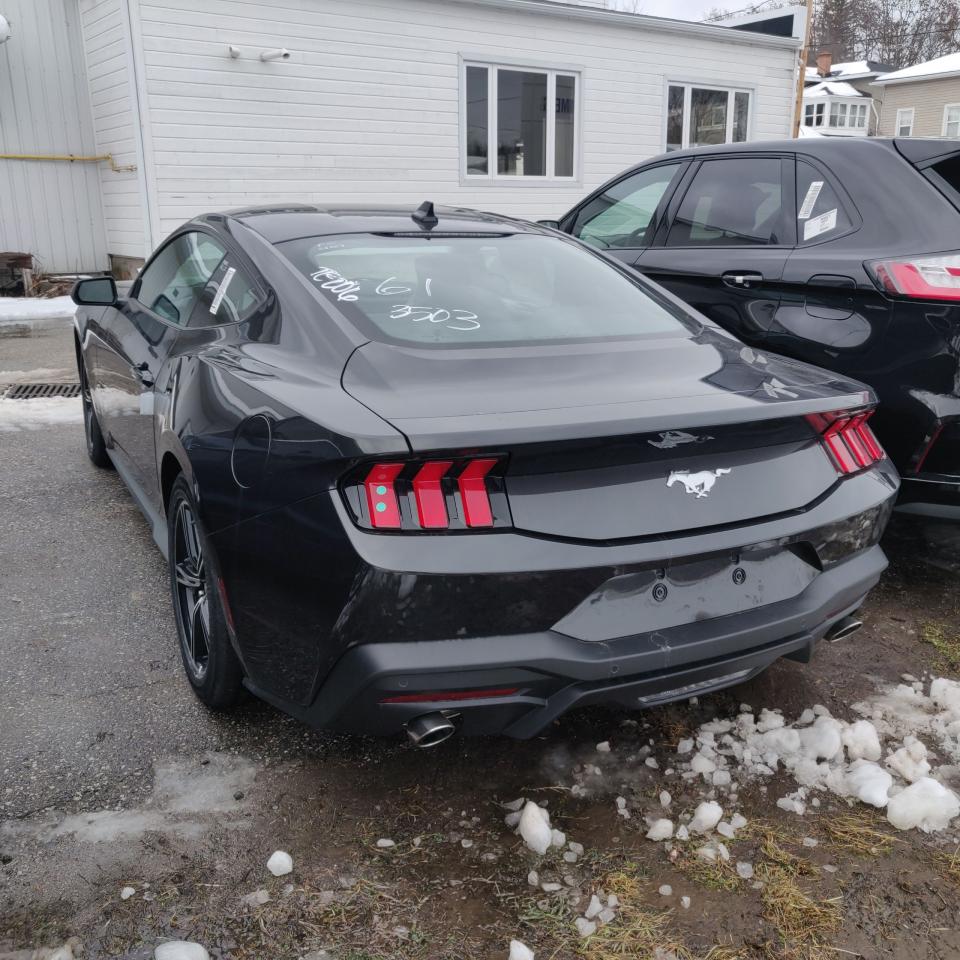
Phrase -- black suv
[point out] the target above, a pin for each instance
(840, 252)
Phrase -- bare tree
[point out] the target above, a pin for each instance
(895, 32)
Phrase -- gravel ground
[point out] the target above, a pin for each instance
(112, 775)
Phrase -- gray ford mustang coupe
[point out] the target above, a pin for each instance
(437, 469)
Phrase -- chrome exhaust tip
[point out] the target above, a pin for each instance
(430, 729)
(843, 628)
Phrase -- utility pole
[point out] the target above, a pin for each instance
(802, 71)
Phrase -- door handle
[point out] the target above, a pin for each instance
(734, 278)
(144, 375)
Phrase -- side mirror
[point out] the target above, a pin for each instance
(94, 292)
(553, 224)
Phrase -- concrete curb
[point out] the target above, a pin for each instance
(31, 327)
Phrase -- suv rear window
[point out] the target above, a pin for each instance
(945, 175)
(465, 290)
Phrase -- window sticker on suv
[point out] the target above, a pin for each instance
(810, 199)
(822, 224)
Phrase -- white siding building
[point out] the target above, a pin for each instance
(516, 106)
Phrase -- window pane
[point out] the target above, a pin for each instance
(741, 107)
(730, 203)
(521, 123)
(227, 297)
(708, 117)
(172, 283)
(476, 119)
(675, 118)
(565, 125)
(819, 213)
(475, 290)
(623, 215)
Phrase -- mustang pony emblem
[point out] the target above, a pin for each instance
(673, 438)
(700, 483)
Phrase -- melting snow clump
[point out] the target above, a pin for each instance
(926, 804)
(180, 950)
(280, 863)
(534, 828)
(519, 951)
(705, 817)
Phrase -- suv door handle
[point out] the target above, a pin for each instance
(732, 278)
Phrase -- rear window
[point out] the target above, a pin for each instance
(946, 176)
(464, 290)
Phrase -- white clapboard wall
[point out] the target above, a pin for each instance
(48, 208)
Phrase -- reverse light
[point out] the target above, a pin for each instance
(429, 495)
(848, 440)
(924, 278)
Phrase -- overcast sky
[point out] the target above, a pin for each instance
(678, 9)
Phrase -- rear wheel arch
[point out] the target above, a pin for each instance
(170, 469)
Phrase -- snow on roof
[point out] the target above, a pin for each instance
(832, 88)
(808, 132)
(854, 70)
(941, 67)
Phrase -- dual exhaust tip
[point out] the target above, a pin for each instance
(843, 629)
(431, 729)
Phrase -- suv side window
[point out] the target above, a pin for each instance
(731, 202)
(623, 215)
(820, 215)
(172, 282)
(228, 296)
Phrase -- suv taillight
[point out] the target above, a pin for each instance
(429, 495)
(848, 439)
(924, 278)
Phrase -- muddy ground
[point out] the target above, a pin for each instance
(112, 776)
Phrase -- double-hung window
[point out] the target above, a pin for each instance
(520, 122)
(704, 116)
(905, 122)
(813, 115)
(838, 114)
(951, 120)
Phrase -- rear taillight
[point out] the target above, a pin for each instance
(924, 278)
(429, 495)
(848, 439)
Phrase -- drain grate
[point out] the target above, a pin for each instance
(31, 391)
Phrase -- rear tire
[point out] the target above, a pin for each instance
(209, 661)
(96, 446)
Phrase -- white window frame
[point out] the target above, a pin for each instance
(689, 85)
(511, 179)
(838, 116)
(903, 112)
(947, 107)
(813, 113)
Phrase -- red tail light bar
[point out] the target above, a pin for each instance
(923, 278)
(429, 495)
(848, 439)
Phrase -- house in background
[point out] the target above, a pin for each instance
(837, 98)
(922, 100)
(517, 106)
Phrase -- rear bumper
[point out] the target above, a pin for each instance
(553, 673)
(931, 495)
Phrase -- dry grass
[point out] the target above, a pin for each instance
(858, 834)
(949, 865)
(797, 915)
(715, 874)
(640, 933)
(772, 847)
(946, 644)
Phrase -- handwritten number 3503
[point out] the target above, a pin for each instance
(455, 319)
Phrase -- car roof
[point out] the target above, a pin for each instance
(814, 146)
(280, 223)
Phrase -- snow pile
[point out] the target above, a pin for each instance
(39, 412)
(19, 309)
(534, 827)
(596, 915)
(519, 951)
(180, 950)
(280, 863)
(823, 753)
